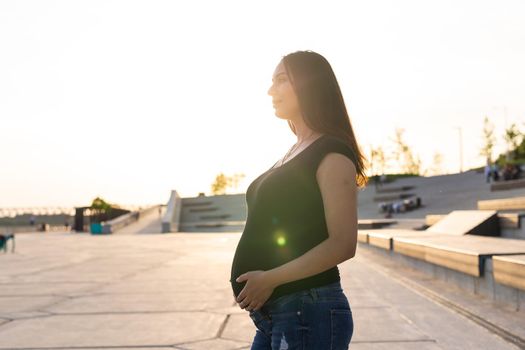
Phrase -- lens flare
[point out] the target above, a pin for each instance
(281, 241)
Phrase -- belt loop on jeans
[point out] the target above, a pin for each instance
(265, 313)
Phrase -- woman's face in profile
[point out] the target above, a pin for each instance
(284, 99)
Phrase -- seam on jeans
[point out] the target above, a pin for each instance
(332, 312)
(331, 329)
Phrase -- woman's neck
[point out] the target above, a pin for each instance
(303, 132)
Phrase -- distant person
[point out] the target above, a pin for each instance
(302, 217)
(517, 171)
(32, 220)
(382, 180)
(488, 172)
(511, 172)
(495, 172)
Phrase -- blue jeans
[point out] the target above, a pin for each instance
(313, 319)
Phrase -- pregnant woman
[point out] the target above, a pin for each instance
(302, 217)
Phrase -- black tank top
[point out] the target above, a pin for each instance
(286, 218)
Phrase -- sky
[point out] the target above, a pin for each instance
(129, 100)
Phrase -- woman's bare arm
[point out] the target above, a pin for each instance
(336, 177)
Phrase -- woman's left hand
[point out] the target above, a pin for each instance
(257, 290)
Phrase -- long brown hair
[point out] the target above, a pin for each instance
(321, 102)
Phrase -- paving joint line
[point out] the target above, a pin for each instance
(91, 347)
(223, 326)
(393, 341)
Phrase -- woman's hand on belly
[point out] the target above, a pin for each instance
(258, 288)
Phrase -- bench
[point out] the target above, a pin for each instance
(510, 270)
(393, 197)
(4, 239)
(362, 236)
(393, 189)
(466, 254)
(507, 185)
(431, 219)
(384, 238)
(516, 203)
(510, 220)
(369, 224)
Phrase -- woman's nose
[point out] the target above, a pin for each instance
(270, 90)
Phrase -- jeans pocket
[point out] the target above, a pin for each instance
(259, 320)
(342, 328)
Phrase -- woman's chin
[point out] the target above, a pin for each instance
(280, 115)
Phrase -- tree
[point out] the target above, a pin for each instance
(437, 162)
(219, 185)
(223, 182)
(377, 156)
(100, 209)
(512, 138)
(488, 139)
(410, 164)
(233, 181)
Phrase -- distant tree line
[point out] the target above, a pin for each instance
(223, 183)
(408, 163)
(514, 140)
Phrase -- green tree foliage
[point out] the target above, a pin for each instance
(377, 160)
(100, 204)
(223, 182)
(100, 209)
(489, 139)
(513, 137)
(219, 185)
(515, 140)
(410, 163)
(437, 163)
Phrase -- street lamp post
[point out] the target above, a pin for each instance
(460, 149)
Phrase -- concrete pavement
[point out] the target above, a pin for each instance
(154, 291)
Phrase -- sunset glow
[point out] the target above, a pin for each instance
(130, 99)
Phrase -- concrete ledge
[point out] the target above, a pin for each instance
(362, 237)
(510, 270)
(383, 238)
(507, 185)
(171, 220)
(120, 222)
(431, 219)
(485, 285)
(374, 223)
(393, 189)
(516, 203)
(463, 261)
(466, 254)
(510, 220)
(393, 197)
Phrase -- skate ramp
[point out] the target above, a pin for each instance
(464, 222)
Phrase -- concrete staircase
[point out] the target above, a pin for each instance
(223, 213)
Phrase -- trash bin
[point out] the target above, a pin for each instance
(95, 228)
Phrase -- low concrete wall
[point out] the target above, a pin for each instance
(484, 285)
(171, 219)
(126, 219)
